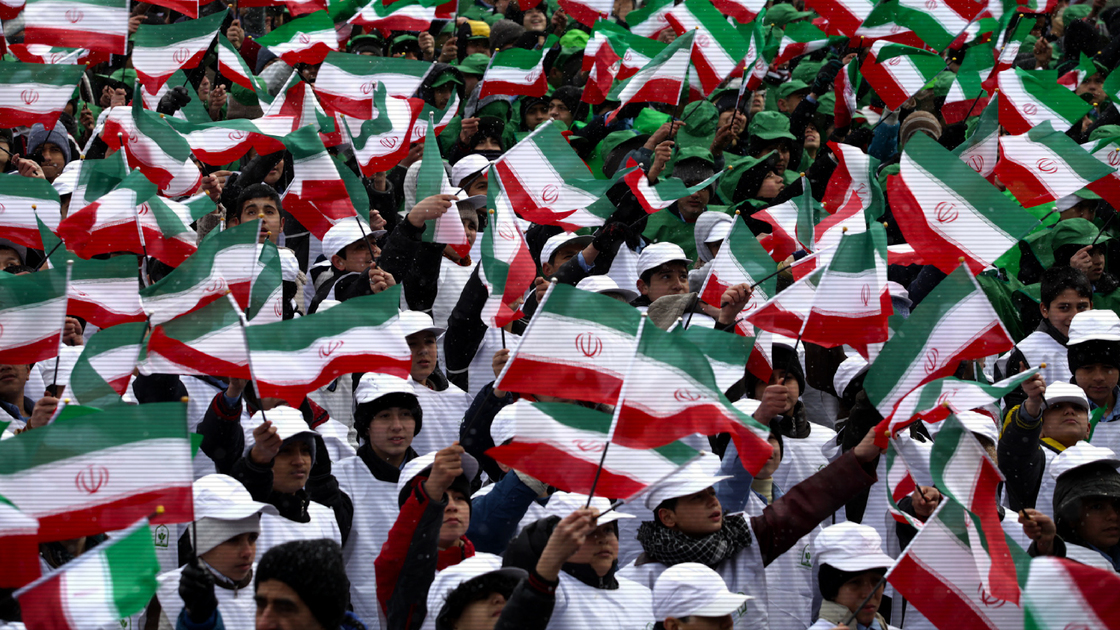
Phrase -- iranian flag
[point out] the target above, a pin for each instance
(298, 356)
(208, 341)
(19, 546)
(32, 309)
(741, 259)
(664, 194)
(383, 141)
(297, 99)
(100, 588)
(303, 40)
(97, 178)
(96, 25)
(101, 374)
(794, 223)
(587, 11)
(1029, 98)
(743, 11)
(431, 180)
(961, 469)
(602, 60)
(639, 50)
(506, 267)
(882, 23)
(35, 93)
(347, 83)
(937, 574)
(131, 217)
(934, 401)
(317, 196)
(404, 15)
(1012, 44)
(966, 93)
(938, 23)
(562, 445)
(850, 179)
(547, 182)
(583, 340)
(158, 50)
(844, 16)
(41, 53)
(946, 210)
(726, 354)
(1107, 152)
(266, 296)
(225, 262)
(898, 72)
(718, 46)
(661, 80)
(105, 469)
(981, 149)
(24, 202)
(755, 65)
(900, 484)
(1043, 165)
(1059, 590)
(846, 303)
(295, 7)
(799, 38)
(650, 20)
(669, 392)
(954, 323)
(103, 292)
(514, 72)
(442, 117)
(845, 86)
(232, 66)
(149, 143)
(224, 141)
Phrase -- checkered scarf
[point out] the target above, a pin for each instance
(671, 547)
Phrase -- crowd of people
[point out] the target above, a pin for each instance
(376, 504)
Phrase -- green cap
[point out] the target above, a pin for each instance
(782, 14)
(770, 126)
(403, 39)
(1104, 131)
(701, 122)
(1079, 232)
(474, 65)
(367, 39)
(789, 88)
(1076, 12)
(807, 71)
(650, 120)
(730, 180)
(695, 153)
(447, 77)
(499, 109)
(565, 55)
(826, 105)
(574, 39)
(613, 141)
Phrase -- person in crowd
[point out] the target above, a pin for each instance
(850, 577)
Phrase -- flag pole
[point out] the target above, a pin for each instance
(617, 410)
(62, 333)
(248, 354)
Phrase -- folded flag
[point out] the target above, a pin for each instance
(103, 292)
(897, 72)
(946, 210)
(206, 341)
(587, 11)
(383, 141)
(1027, 98)
(347, 83)
(582, 340)
(981, 149)
(317, 195)
(107, 583)
(295, 7)
(727, 354)
(844, 16)
(793, 222)
(404, 15)
(743, 11)
(934, 401)
(799, 38)
(1043, 165)
(852, 179)
(562, 445)
(954, 323)
(661, 80)
(938, 23)
(514, 72)
(602, 60)
(431, 180)
(233, 67)
(649, 20)
(506, 267)
(266, 296)
(101, 375)
(966, 94)
(35, 93)
(740, 259)
(149, 143)
(32, 309)
(188, 8)
(900, 484)
(96, 25)
(718, 46)
(1012, 42)
(845, 86)
(307, 39)
(19, 546)
(24, 202)
(755, 64)
(639, 50)
(158, 50)
(665, 193)
(883, 23)
(1058, 590)
(224, 141)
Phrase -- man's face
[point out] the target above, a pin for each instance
(456, 519)
(812, 138)
(477, 187)
(279, 607)
(12, 380)
(1061, 311)
(782, 151)
(356, 256)
(1097, 380)
(772, 186)
(855, 590)
(790, 103)
(442, 95)
(599, 549)
(1099, 524)
(9, 257)
(557, 110)
(424, 351)
(535, 115)
(234, 557)
(758, 102)
(1094, 85)
(692, 206)
(291, 466)
(559, 257)
(391, 431)
(697, 514)
(478, 46)
(470, 81)
(668, 279)
(1080, 210)
(53, 161)
(271, 225)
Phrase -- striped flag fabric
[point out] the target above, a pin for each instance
(799, 38)
(188, 8)
(794, 223)
(844, 16)
(587, 11)
(96, 25)
(266, 296)
(946, 210)
(149, 143)
(966, 93)
(718, 46)
(583, 340)
(602, 60)
(669, 392)
(224, 263)
(104, 585)
(562, 446)
(665, 193)
(900, 484)
(224, 141)
(431, 180)
(90, 459)
(1043, 165)
(19, 546)
(24, 203)
(514, 72)
(845, 86)
(1059, 590)
(207, 341)
(32, 309)
(937, 23)
(294, 357)
(506, 266)
(102, 372)
(158, 50)
(649, 20)
(934, 401)
(35, 93)
(961, 469)
(882, 23)
(743, 11)
(41, 53)
(1028, 98)
(383, 141)
(296, 98)
(851, 179)
(306, 39)
(954, 323)
(404, 15)
(740, 259)
(347, 83)
(755, 64)
(897, 72)
(1009, 50)
(316, 196)
(103, 292)
(9, 9)
(727, 354)
(639, 50)
(980, 150)
(232, 66)
(295, 7)
(97, 178)
(661, 80)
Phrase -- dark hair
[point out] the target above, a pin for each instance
(830, 579)
(15, 270)
(647, 275)
(255, 191)
(473, 590)
(667, 504)
(491, 128)
(365, 412)
(1056, 280)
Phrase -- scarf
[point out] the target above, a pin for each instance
(671, 547)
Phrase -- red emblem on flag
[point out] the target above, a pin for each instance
(505, 231)
(1, 208)
(865, 294)
(304, 39)
(894, 61)
(590, 446)
(1114, 158)
(976, 162)
(988, 600)
(29, 96)
(217, 285)
(1030, 109)
(74, 15)
(389, 142)
(181, 55)
(329, 348)
(931, 5)
(687, 395)
(931, 362)
(1046, 165)
(946, 212)
(550, 193)
(367, 88)
(237, 136)
(92, 478)
(589, 345)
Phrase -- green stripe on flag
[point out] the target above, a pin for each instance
(519, 58)
(592, 421)
(215, 316)
(718, 345)
(163, 35)
(592, 308)
(363, 312)
(133, 567)
(31, 290)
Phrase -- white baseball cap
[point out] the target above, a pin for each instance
(417, 466)
(374, 385)
(467, 166)
(224, 498)
(975, 422)
(1066, 392)
(719, 231)
(504, 426)
(562, 239)
(604, 284)
(564, 503)
(412, 322)
(342, 234)
(288, 422)
(1094, 325)
(472, 202)
(697, 475)
(451, 578)
(847, 372)
(851, 547)
(1081, 454)
(691, 588)
(658, 254)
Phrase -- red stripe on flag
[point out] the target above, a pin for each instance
(1010, 118)
(883, 83)
(557, 468)
(564, 381)
(26, 236)
(638, 429)
(93, 41)
(1002, 574)
(42, 606)
(187, 356)
(39, 350)
(11, 117)
(164, 249)
(523, 203)
(347, 364)
(100, 316)
(941, 602)
(19, 555)
(927, 243)
(177, 503)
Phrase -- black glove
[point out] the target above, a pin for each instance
(173, 101)
(196, 588)
(610, 236)
(823, 83)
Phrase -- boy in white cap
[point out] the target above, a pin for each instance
(348, 246)
(1094, 359)
(226, 529)
(662, 270)
(851, 564)
(690, 596)
(442, 401)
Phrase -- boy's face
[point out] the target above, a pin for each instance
(1097, 380)
(668, 279)
(559, 257)
(1080, 210)
(1060, 312)
(391, 431)
(442, 95)
(355, 256)
(536, 115)
(786, 379)
(291, 466)
(692, 206)
(557, 110)
(53, 161)
(698, 514)
(1066, 423)
(271, 225)
(1097, 257)
(9, 257)
(772, 186)
(424, 352)
(1099, 524)
(856, 590)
